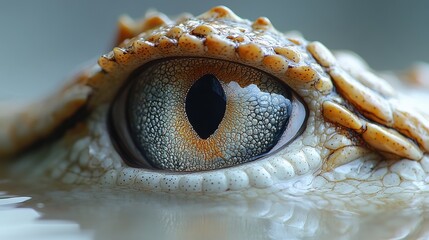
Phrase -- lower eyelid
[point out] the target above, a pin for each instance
(286, 165)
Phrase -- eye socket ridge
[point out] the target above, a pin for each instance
(255, 96)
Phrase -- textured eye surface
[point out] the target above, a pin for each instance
(194, 114)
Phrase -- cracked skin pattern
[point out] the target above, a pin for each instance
(360, 147)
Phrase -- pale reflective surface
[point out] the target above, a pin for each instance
(22, 218)
(70, 212)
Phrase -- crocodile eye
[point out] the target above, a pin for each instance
(195, 114)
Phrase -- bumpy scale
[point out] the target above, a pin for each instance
(352, 112)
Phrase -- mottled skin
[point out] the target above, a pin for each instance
(360, 149)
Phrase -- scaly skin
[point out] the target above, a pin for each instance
(361, 149)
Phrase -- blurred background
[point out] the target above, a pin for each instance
(42, 42)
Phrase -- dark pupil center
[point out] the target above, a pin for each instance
(205, 105)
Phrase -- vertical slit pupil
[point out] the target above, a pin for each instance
(205, 105)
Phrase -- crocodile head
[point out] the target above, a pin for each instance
(297, 119)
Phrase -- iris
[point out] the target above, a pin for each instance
(195, 114)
